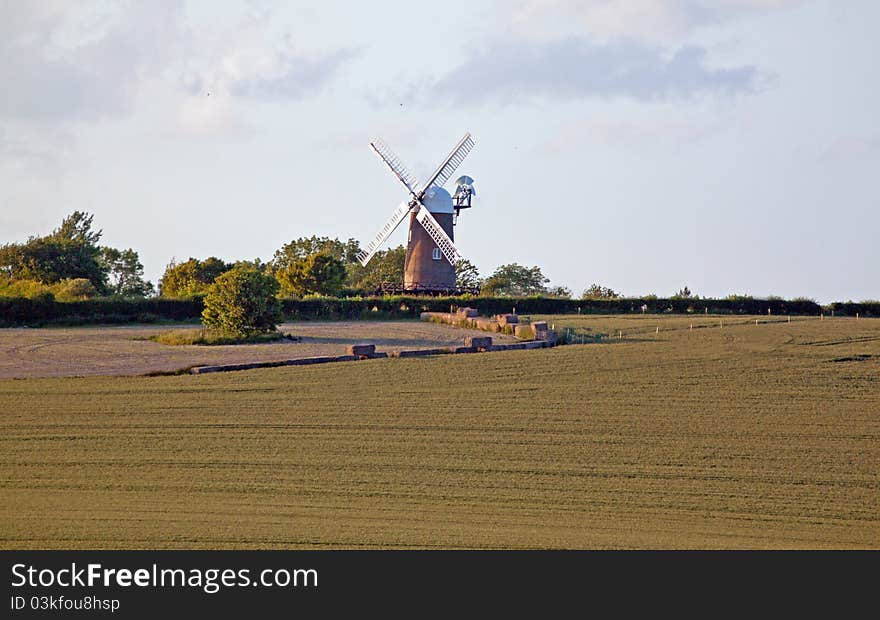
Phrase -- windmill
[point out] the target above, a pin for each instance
(430, 253)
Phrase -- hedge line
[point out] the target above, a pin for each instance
(412, 306)
(35, 312)
(849, 308)
(18, 311)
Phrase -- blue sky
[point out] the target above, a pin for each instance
(732, 146)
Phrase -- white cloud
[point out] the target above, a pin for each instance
(247, 62)
(73, 62)
(514, 71)
(652, 20)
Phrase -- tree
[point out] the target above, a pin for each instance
(125, 273)
(319, 273)
(385, 266)
(70, 252)
(597, 291)
(684, 293)
(562, 292)
(298, 249)
(77, 228)
(242, 302)
(516, 281)
(467, 276)
(192, 277)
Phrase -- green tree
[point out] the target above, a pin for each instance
(242, 302)
(597, 291)
(319, 273)
(467, 276)
(298, 249)
(192, 277)
(385, 266)
(516, 281)
(562, 292)
(70, 252)
(125, 273)
(77, 228)
(684, 293)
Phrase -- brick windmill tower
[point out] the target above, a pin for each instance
(430, 252)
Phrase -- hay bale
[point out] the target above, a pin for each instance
(524, 331)
(361, 350)
(487, 325)
(507, 319)
(478, 342)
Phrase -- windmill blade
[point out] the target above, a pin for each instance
(390, 226)
(409, 180)
(447, 168)
(433, 228)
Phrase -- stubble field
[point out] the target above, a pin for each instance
(126, 350)
(738, 437)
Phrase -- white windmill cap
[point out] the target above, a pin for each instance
(437, 200)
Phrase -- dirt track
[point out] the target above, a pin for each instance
(123, 350)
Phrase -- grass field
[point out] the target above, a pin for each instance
(747, 436)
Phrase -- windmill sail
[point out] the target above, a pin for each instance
(433, 228)
(409, 180)
(390, 225)
(449, 165)
(414, 202)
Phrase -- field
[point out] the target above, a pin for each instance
(746, 436)
(85, 351)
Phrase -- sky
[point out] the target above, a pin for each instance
(730, 146)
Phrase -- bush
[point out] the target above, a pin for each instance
(242, 302)
(74, 289)
(31, 289)
(211, 337)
